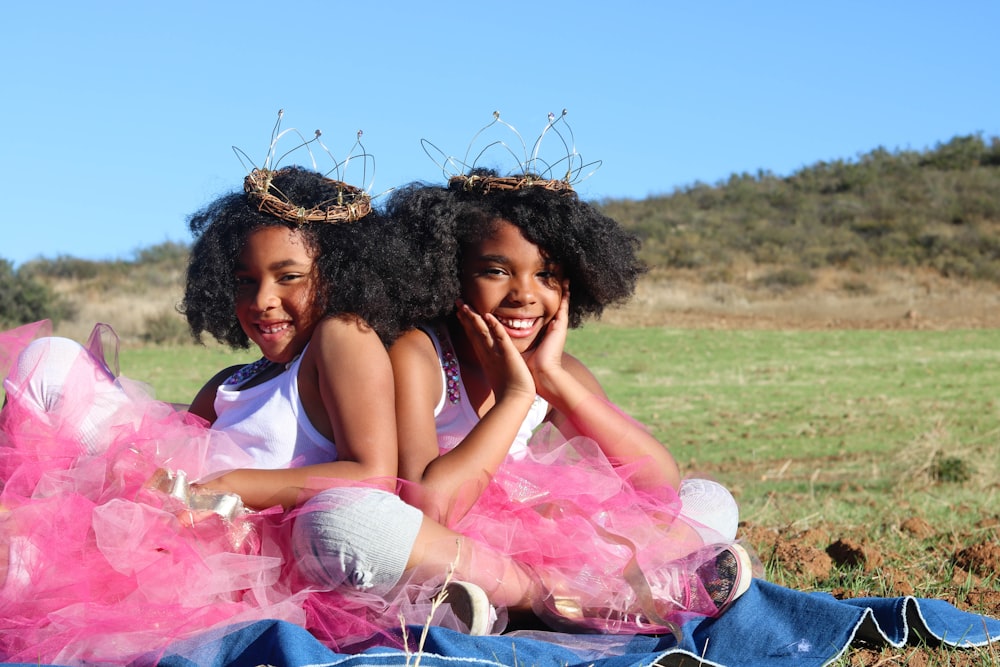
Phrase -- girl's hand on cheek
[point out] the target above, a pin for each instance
(501, 363)
(546, 357)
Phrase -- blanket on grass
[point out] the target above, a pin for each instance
(770, 626)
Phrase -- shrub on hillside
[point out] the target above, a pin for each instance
(24, 299)
(787, 278)
(168, 252)
(938, 208)
(64, 267)
(167, 328)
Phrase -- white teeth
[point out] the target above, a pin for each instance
(272, 329)
(518, 324)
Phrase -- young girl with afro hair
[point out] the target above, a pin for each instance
(509, 440)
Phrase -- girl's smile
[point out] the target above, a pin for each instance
(508, 276)
(275, 292)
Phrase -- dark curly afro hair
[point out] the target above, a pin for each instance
(352, 260)
(598, 256)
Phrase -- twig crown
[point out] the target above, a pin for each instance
(351, 203)
(530, 170)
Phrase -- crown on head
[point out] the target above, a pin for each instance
(351, 203)
(530, 170)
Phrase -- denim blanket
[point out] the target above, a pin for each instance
(770, 626)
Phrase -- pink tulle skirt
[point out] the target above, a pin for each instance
(100, 566)
(615, 557)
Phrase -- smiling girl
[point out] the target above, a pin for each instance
(99, 527)
(301, 410)
(510, 440)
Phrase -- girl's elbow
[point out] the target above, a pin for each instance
(379, 471)
(386, 470)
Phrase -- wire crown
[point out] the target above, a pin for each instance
(531, 168)
(351, 203)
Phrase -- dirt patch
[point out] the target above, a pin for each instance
(815, 558)
(982, 559)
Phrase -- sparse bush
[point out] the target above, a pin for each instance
(63, 267)
(951, 469)
(787, 278)
(24, 299)
(856, 287)
(169, 327)
(169, 252)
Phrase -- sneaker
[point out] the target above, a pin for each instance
(470, 606)
(727, 577)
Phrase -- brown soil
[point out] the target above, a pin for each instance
(811, 557)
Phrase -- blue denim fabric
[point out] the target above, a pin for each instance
(769, 626)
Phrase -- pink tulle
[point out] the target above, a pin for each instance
(616, 557)
(98, 566)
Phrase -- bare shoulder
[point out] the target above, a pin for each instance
(203, 404)
(344, 345)
(414, 344)
(343, 327)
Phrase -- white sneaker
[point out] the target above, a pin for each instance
(725, 578)
(471, 606)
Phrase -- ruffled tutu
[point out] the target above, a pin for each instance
(102, 560)
(617, 558)
(97, 566)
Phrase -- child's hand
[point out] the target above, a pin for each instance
(546, 358)
(194, 502)
(503, 366)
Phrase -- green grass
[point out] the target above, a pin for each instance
(831, 420)
(176, 373)
(814, 416)
(843, 434)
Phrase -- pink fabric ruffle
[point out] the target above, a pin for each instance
(616, 558)
(97, 567)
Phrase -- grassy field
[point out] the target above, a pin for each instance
(865, 462)
(806, 411)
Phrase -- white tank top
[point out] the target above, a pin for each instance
(269, 422)
(454, 415)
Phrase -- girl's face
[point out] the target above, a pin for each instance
(275, 292)
(508, 276)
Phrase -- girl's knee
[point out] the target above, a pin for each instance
(44, 367)
(354, 536)
(710, 508)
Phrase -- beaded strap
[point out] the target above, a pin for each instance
(247, 372)
(449, 364)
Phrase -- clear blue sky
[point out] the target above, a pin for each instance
(119, 117)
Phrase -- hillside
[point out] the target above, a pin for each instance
(937, 209)
(896, 239)
(889, 239)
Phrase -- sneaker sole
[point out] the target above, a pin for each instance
(470, 605)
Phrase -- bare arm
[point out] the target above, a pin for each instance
(346, 385)
(578, 400)
(467, 468)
